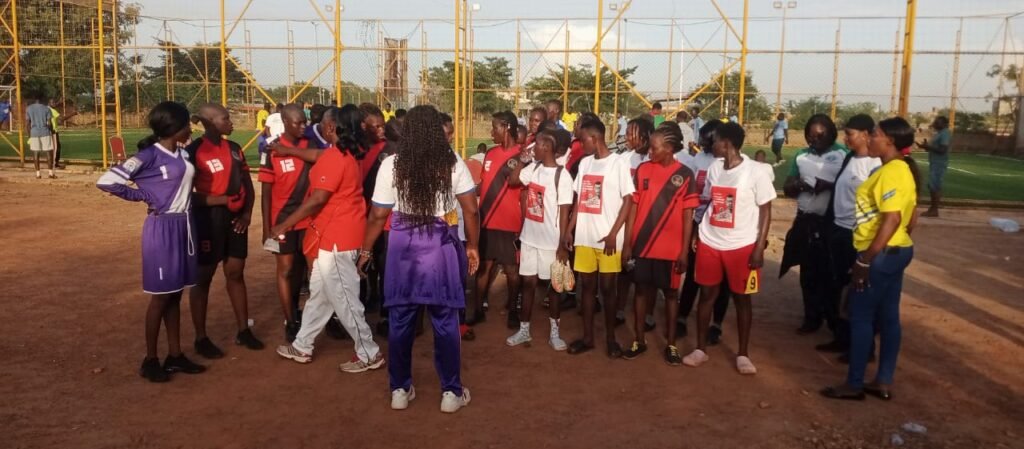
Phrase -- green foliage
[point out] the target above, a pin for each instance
(492, 82)
(40, 23)
(350, 92)
(581, 89)
(756, 110)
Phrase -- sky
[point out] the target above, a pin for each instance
(868, 27)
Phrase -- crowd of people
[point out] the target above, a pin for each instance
(371, 208)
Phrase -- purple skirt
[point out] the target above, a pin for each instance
(168, 254)
(425, 265)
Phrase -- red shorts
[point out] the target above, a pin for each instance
(713, 264)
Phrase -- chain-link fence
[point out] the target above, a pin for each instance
(967, 66)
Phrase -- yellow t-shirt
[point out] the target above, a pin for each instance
(388, 115)
(569, 118)
(53, 120)
(890, 188)
(261, 119)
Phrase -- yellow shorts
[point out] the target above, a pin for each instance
(590, 260)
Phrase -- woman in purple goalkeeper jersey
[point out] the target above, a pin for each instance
(162, 175)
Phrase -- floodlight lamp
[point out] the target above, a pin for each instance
(329, 8)
(613, 6)
(791, 5)
(777, 5)
(476, 6)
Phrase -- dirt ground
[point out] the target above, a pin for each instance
(72, 340)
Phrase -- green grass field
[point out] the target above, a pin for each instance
(970, 176)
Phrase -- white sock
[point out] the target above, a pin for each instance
(524, 326)
(38, 172)
(554, 324)
(51, 172)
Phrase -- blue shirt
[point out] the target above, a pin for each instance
(698, 123)
(779, 132)
(940, 142)
(39, 117)
(5, 109)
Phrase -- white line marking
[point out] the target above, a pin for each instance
(1000, 157)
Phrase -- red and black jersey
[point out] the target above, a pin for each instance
(662, 193)
(219, 167)
(575, 156)
(500, 207)
(289, 177)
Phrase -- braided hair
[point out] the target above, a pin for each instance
(423, 167)
(671, 134)
(644, 129)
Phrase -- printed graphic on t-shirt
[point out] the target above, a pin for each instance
(590, 194)
(723, 207)
(535, 203)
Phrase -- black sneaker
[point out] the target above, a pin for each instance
(649, 325)
(832, 346)
(291, 330)
(207, 349)
(567, 302)
(844, 358)
(382, 328)
(634, 351)
(335, 330)
(714, 335)
(247, 339)
(152, 371)
(672, 356)
(182, 364)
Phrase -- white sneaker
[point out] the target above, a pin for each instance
(523, 336)
(450, 403)
(695, 358)
(745, 366)
(400, 398)
(556, 342)
(289, 352)
(358, 366)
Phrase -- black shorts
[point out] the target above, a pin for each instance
(216, 240)
(660, 274)
(499, 246)
(292, 243)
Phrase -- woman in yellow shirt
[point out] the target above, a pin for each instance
(884, 218)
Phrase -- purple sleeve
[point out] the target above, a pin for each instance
(115, 180)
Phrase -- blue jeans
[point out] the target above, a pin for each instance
(878, 303)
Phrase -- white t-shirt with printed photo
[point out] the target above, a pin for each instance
(735, 197)
(601, 185)
(701, 163)
(684, 157)
(276, 125)
(385, 194)
(635, 159)
(855, 173)
(543, 197)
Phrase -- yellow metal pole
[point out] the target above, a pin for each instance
(895, 71)
(17, 78)
(565, 73)
(956, 77)
(337, 53)
(95, 69)
(782, 58)
(671, 39)
(597, 62)
(167, 64)
(835, 72)
(908, 58)
(103, 83)
(471, 73)
(63, 85)
(223, 58)
(138, 101)
(725, 76)
(456, 100)
(117, 68)
(465, 74)
(743, 63)
(423, 64)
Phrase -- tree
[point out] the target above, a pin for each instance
(581, 89)
(1014, 74)
(801, 111)
(492, 82)
(192, 69)
(756, 108)
(41, 67)
(351, 93)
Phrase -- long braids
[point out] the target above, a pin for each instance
(644, 128)
(423, 167)
(673, 136)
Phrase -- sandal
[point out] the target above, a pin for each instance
(879, 391)
(614, 350)
(579, 347)
(843, 392)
